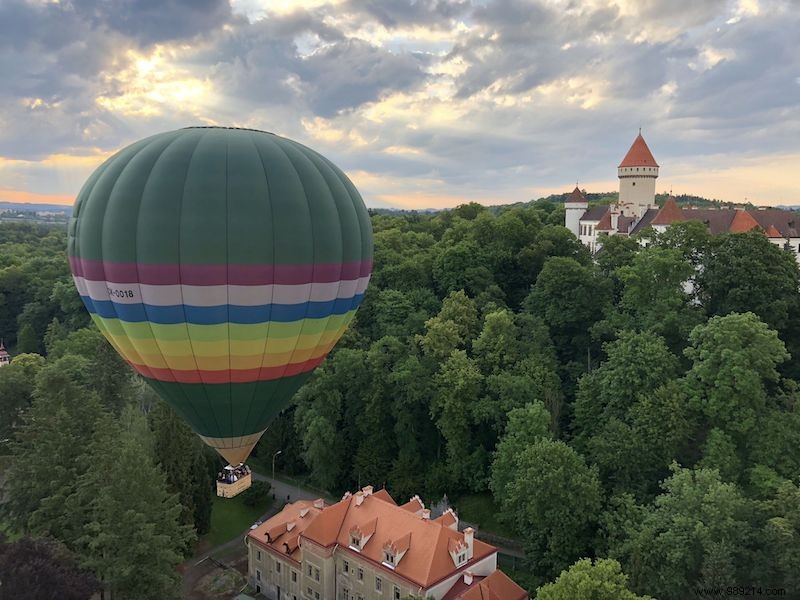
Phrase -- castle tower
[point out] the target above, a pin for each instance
(575, 205)
(637, 174)
(5, 357)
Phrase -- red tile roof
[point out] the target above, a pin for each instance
(639, 155)
(743, 222)
(669, 213)
(497, 586)
(605, 222)
(448, 519)
(427, 560)
(785, 221)
(576, 196)
(595, 213)
(772, 232)
(280, 533)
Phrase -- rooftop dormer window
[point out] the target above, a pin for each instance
(388, 557)
(355, 541)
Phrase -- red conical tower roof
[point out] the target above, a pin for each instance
(639, 154)
(669, 213)
(743, 222)
(576, 196)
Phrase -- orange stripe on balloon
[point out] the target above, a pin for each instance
(228, 376)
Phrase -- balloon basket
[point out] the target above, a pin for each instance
(226, 489)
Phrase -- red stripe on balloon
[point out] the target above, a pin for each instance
(218, 274)
(227, 376)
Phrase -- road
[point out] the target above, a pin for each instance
(286, 492)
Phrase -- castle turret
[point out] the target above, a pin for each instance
(5, 357)
(575, 205)
(637, 174)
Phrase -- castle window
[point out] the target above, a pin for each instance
(634, 183)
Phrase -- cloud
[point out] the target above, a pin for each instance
(424, 99)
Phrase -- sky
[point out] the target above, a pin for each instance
(423, 103)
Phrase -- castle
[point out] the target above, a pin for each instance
(636, 209)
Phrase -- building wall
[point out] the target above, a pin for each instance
(361, 585)
(637, 189)
(318, 574)
(574, 212)
(286, 577)
(587, 234)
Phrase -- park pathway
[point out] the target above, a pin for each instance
(198, 566)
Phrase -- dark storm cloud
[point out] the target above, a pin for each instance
(398, 13)
(524, 43)
(152, 21)
(264, 63)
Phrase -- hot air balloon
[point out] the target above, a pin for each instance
(223, 265)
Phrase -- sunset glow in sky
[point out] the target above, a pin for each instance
(424, 103)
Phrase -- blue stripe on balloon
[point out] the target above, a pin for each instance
(215, 315)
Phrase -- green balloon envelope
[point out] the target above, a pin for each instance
(223, 265)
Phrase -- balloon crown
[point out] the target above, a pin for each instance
(226, 127)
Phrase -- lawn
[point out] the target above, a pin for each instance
(482, 510)
(230, 517)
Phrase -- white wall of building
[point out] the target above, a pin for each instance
(637, 189)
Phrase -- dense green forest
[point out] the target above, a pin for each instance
(639, 435)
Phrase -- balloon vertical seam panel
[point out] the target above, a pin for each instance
(226, 333)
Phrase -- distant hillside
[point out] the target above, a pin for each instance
(611, 197)
(31, 207)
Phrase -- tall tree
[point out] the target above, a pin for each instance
(458, 388)
(733, 379)
(134, 540)
(603, 580)
(571, 298)
(51, 450)
(16, 389)
(555, 498)
(696, 534)
(183, 459)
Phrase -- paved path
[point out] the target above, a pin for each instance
(286, 492)
(196, 567)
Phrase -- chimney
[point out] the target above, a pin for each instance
(614, 217)
(319, 503)
(469, 537)
(359, 498)
(426, 514)
(468, 577)
(367, 489)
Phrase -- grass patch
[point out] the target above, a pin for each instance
(481, 510)
(230, 517)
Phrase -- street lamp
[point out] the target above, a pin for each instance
(273, 463)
